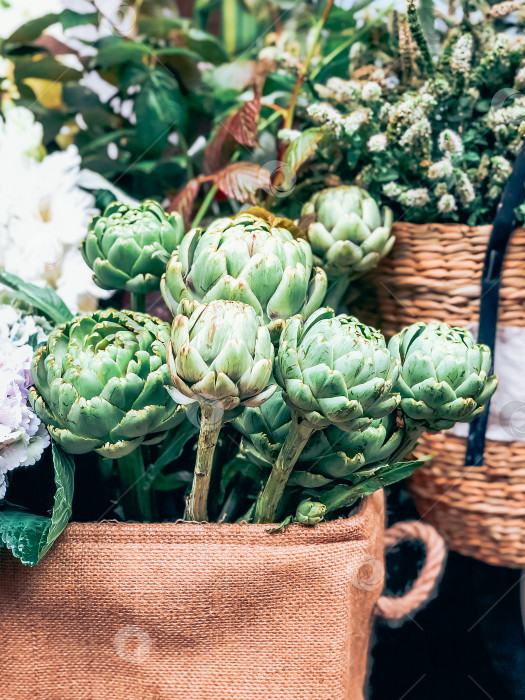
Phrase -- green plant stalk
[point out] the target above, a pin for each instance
(138, 302)
(197, 505)
(136, 498)
(411, 437)
(268, 501)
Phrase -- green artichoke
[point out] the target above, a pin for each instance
(348, 235)
(100, 382)
(329, 454)
(309, 512)
(221, 353)
(128, 248)
(444, 375)
(335, 370)
(247, 259)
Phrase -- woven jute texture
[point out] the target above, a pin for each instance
(193, 611)
(434, 274)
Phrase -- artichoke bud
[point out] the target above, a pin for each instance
(100, 382)
(221, 353)
(335, 371)
(444, 375)
(310, 512)
(347, 231)
(250, 259)
(128, 247)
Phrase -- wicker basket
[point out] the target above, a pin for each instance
(434, 273)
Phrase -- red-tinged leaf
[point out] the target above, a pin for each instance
(240, 127)
(243, 125)
(184, 200)
(303, 147)
(242, 181)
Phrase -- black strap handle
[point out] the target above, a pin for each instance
(504, 222)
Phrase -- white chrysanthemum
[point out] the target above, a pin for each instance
(417, 197)
(447, 204)
(22, 435)
(450, 142)
(440, 169)
(377, 143)
(15, 13)
(44, 214)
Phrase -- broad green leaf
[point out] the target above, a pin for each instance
(206, 45)
(33, 29)
(45, 299)
(46, 68)
(70, 18)
(116, 51)
(344, 496)
(303, 147)
(174, 444)
(29, 536)
(160, 109)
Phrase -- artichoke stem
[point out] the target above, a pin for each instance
(197, 505)
(336, 292)
(410, 440)
(268, 501)
(136, 497)
(138, 302)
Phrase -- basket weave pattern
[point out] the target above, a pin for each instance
(434, 274)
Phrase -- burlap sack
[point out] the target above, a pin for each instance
(194, 611)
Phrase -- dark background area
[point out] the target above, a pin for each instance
(468, 643)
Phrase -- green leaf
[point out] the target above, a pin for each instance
(70, 18)
(206, 45)
(33, 29)
(46, 68)
(160, 109)
(303, 147)
(117, 51)
(174, 444)
(343, 496)
(45, 299)
(29, 536)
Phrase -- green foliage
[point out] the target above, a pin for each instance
(30, 536)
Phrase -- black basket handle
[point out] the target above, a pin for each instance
(504, 223)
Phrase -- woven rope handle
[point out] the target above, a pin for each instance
(398, 608)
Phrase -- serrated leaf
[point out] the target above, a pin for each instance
(184, 200)
(30, 536)
(303, 147)
(240, 127)
(45, 299)
(242, 181)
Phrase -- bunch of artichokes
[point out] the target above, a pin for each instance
(324, 419)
